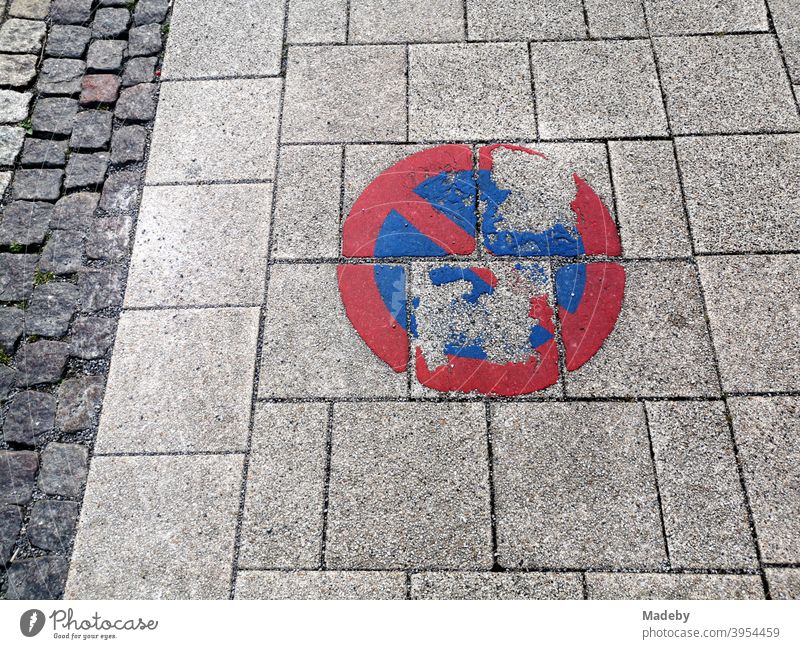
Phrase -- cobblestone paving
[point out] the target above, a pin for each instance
(250, 445)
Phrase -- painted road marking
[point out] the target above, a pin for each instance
(481, 326)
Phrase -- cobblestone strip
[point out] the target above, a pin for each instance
(78, 91)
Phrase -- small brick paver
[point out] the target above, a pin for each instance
(157, 527)
(574, 486)
(187, 254)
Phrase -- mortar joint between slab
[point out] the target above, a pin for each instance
(657, 486)
(326, 487)
(774, 32)
(496, 567)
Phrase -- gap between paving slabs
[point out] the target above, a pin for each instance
(78, 91)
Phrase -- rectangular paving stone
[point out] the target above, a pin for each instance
(336, 94)
(706, 16)
(282, 521)
(615, 18)
(607, 585)
(741, 191)
(784, 583)
(597, 89)
(495, 585)
(787, 25)
(511, 20)
(574, 486)
(180, 381)
(409, 487)
(310, 21)
(415, 21)
(157, 527)
(224, 38)
(652, 221)
(659, 346)
(215, 130)
(200, 246)
(310, 348)
(488, 92)
(767, 431)
(307, 202)
(726, 84)
(703, 505)
(752, 307)
(326, 584)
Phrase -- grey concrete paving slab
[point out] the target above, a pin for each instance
(574, 486)
(488, 92)
(282, 519)
(494, 585)
(602, 89)
(767, 433)
(200, 245)
(330, 584)
(336, 94)
(604, 585)
(310, 349)
(180, 381)
(215, 130)
(409, 487)
(414, 21)
(135, 543)
(224, 38)
(704, 510)
(660, 345)
(784, 583)
(615, 18)
(726, 84)
(706, 16)
(307, 202)
(652, 220)
(741, 192)
(310, 21)
(787, 25)
(523, 20)
(752, 306)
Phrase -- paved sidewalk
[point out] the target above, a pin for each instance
(251, 445)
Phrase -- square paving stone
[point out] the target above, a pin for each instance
(752, 306)
(200, 246)
(615, 18)
(787, 25)
(604, 585)
(409, 487)
(180, 381)
(37, 578)
(487, 95)
(64, 469)
(726, 84)
(364, 162)
(493, 585)
(14, 106)
(158, 527)
(105, 56)
(574, 486)
(512, 20)
(336, 94)
(224, 38)
(34, 9)
(650, 212)
(310, 348)
(706, 16)
(742, 191)
(52, 525)
(24, 223)
(767, 433)
(282, 520)
(16, 276)
(307, 202)
(784, 583)
(389, 21)
(69, 41)
(597, 89)
(215, 130)
(310, 21)
(17, 70)
(701, 495)
(659, 346)
(328, 584)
